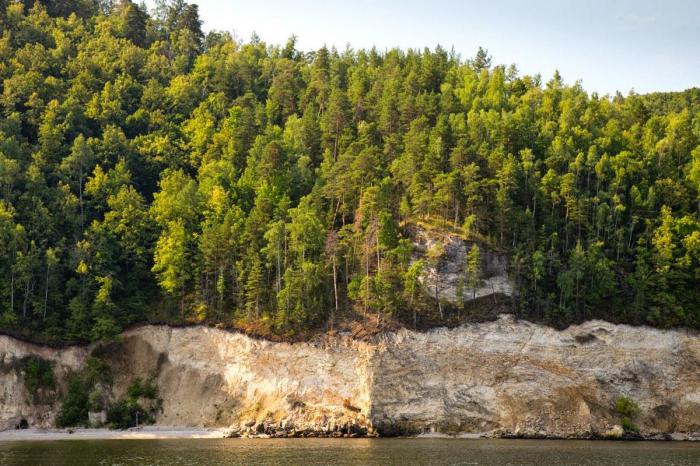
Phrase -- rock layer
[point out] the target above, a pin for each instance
(505, 377)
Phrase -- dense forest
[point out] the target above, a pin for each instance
(152, 172)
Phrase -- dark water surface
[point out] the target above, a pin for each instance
(345, 451)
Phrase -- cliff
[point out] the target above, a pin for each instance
(505, 378)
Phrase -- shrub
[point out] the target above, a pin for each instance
(97, 371)
(124, 413)
(96, 400)
(626, 407)
(74, 411)
(81, 396)
(38, 374)
(628, 426)
(121, 415)
(139, 388)
(628, 410)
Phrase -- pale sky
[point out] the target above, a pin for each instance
(609, 45)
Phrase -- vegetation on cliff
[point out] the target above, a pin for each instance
(149, 171)
(38, 377)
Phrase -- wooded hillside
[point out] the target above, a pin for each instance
(149, 171)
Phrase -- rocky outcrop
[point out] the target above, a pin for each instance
(446, 272)
(505, 378)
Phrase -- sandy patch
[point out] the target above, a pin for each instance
(150, 432)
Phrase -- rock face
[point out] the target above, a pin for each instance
(450, 268)
(504, 377)
(527, 379)
(209, 377)
(15, 403)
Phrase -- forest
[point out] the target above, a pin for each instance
(151, 172)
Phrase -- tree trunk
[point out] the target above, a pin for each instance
(379, 263)
(46, 291)
(335, 286)
(27, 290)
(367, 281)
(12, 291)
(335, 143)
(456, 212)
(279, 270)
(80, 197)
(534, 209)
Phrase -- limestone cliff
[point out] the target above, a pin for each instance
(503, 377)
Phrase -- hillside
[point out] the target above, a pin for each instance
(153, 173)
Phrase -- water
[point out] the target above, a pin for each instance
(346, 451)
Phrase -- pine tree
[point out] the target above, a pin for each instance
(474, 268)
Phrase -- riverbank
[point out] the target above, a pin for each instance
(165, 432)
(148, 432)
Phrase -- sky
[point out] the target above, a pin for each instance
(610, 45)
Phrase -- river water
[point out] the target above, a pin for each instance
(345, 452)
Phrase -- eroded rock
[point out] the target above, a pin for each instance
(501, 378)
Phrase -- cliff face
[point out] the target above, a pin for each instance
(534, 380)
(503, 376)
(209, 377)
(15, 402)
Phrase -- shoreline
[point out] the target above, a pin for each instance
(140, 433)
(173, 432)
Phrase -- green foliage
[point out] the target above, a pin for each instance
(140, 388)
(74, 411)
(38, 374)
(151, 172)
(628, 426)
(122, 414)
(473, 268)
(97, 371)
(628, 410)
(125, 412)
(84, 393)
(626, 407)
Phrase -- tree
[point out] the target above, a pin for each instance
(104, 309)
(77, 165)
(474, 268)
(335, 119)
(331, 249)
(482, 60)
(254, 289)
(171, 261)
(412, 284)
(306, 232)
(177, 200)
(51, 262)
(133, 22)
(9, 231)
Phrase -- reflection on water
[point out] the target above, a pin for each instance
(346, 451)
